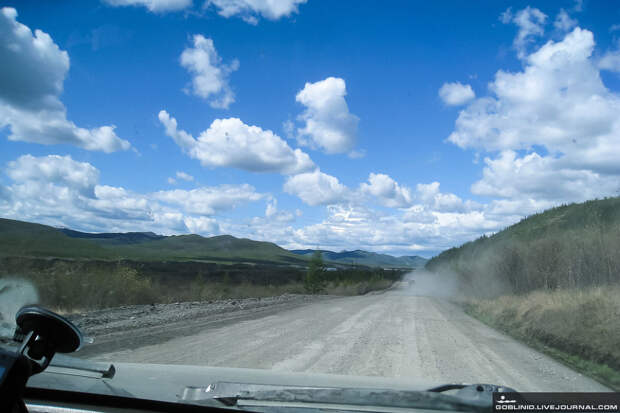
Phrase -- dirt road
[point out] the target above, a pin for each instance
(397, 333)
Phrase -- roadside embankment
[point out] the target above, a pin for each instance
(580, 327)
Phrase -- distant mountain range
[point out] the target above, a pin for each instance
(118, 238)
(371, 259)
(25, 239)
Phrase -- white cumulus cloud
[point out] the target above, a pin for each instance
(180, 175)
(563, 21)
(456, 93)
(249, 10)
(328, 124)
(552, 130)
(57, 190)
(530, 22)
(156, 6)
(431, 197)
(389, 192)
(231, 143)
(55, 170)
(184, 176)
(32, 74)
(541, 178)
(611, 60)
(272, 213)
(208, 200)
(209, 74)
(354, 226)
(316, 188)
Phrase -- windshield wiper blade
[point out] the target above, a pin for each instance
(364, 397)
(104, 370)
(237, 394)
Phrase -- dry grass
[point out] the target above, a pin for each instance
(581, 323)
(66, 291)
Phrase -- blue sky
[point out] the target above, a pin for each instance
(402, 127)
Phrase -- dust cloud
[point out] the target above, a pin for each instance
(14, 293)
(450, 285)
(426, 283)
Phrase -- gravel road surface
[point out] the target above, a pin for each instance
(397, 333)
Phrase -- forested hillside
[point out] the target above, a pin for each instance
(552, 280)
(570, 246)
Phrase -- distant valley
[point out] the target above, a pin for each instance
(366, 258)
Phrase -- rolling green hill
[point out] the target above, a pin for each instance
(370, 259)
(20, 239)
(218, 248)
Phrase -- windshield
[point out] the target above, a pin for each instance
(401, 194)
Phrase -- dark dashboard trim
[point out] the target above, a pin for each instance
(120, 402)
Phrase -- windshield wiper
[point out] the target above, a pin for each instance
(75, 366)
(468, 397)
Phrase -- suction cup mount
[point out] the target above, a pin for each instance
(45, 334)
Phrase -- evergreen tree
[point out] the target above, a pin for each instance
(315, 281)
